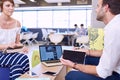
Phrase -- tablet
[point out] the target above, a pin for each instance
(74, 56)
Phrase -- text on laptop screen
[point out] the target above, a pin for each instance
(50, 52)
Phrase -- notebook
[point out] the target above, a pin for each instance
(75, 56)
(50, 54)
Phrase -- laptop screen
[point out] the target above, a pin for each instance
(50, 52)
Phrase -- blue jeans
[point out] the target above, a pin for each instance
(78, 75)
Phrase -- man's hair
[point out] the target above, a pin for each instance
(1, 5)
(75, 25)
(81, 24)
(114, 6)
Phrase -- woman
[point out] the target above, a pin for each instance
(10, 37)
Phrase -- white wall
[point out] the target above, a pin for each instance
(94, 22)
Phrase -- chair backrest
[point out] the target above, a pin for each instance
(96, 38)
(27, 36)
(56, 38)
(82, 39)
(35, 58)
(45, 34)
(35, 35)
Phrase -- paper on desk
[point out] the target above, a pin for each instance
(32, 79)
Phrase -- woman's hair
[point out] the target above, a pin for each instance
(114, 6)
(1, 5)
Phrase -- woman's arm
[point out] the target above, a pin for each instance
(18, 34)
(5, 46)
(2, 46)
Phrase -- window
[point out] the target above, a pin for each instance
(45, 19)
(54, 17)
(60, 19)
(30, 19)
(18, 16)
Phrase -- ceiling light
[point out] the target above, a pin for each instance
(56, 1)
(19, 2)
(59, 3)
(32, 0)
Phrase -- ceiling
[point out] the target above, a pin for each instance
(36, 3)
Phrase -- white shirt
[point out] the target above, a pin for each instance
(8, 35)
(110, 59)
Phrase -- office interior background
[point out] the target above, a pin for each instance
(53, 13)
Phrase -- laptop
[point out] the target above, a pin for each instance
(50, 54)
(74, 56)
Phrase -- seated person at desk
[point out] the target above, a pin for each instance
(108, 68)
(82, 30)
(10, 38)
(78, 32)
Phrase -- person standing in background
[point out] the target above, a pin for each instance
(10, 38)
(108, 67)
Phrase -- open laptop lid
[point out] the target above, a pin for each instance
(50, 52)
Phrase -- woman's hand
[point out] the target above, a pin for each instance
(11, 45)
(18, 44)
(67, 62)
(25, 49)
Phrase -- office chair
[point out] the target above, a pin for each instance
(83, 40)
(26, 37)
(45, 36)
(56, 38)
(34, 36)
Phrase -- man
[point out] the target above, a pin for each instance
(82, 30)
(78, 33)
(108, 68)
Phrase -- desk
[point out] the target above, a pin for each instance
(40, 68)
